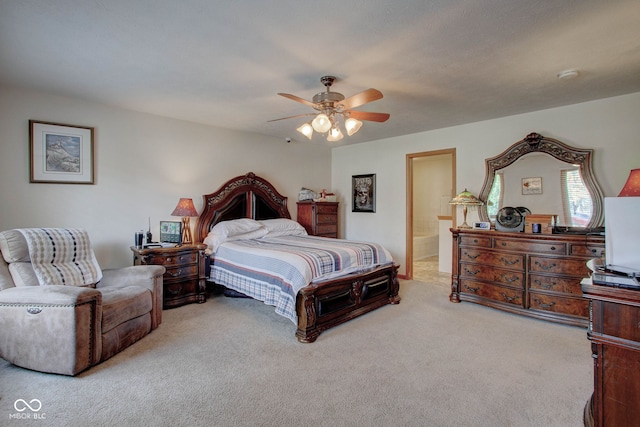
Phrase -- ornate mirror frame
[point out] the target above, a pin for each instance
(536, 143)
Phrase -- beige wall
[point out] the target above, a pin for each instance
(144, 164)
(609, 126)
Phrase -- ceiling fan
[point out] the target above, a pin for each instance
(332, 105)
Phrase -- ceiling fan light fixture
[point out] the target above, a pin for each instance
(321, 123)
(352, 125)
(306, 129)
(335, 134)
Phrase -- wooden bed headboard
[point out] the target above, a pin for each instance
(245, 196)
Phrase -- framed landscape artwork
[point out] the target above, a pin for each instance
(364, 193)
(60, 153)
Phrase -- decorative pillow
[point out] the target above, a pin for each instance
(283, 227)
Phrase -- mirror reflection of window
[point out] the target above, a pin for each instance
(496, 195)
(577, 205)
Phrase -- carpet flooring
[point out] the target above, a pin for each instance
(234, 362)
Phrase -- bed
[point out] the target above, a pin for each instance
(329, 297)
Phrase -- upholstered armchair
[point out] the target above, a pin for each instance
(59, 312)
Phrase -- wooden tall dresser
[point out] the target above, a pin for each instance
(536, 275)
(319, 218)
(614, 332)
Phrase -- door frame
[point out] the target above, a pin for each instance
(409, 198)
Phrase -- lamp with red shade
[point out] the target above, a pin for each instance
(185, 209)
(632, 186)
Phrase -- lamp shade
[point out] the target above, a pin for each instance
(352, 125)
(466, 198)
(632, 186)
(321, 123)
(335, 134)
(185, 208)
(306, 129)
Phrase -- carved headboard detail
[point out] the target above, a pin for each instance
(245, 196)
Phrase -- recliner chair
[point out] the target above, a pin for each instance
(66, 329)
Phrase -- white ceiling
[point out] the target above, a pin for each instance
(221, 63)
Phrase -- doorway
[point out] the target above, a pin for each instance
(431, 183)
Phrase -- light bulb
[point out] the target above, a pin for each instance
(352, 125)
(321, 123)
(306, 129)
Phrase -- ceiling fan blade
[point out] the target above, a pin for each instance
(292, 117)
(298, 99)
(361, 98)
(366, 115)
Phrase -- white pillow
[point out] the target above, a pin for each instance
(237, 229)
(282, 227)
(236, 226)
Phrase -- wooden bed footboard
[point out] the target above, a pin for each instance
(326, 304)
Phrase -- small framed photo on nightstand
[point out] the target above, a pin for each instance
(481, 225)
(171, 232)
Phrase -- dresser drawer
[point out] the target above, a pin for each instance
(571, 267)
(486, 272)
(177, 259)
(326, 229)
(180, 272)
(326, 219)
(530, 246)
(562, 285)
(513, 261)
(493, 292)
(326, 209)
(557, 304)
(483, 241)
(586, 250)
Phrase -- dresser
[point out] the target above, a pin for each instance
(319, 218)
(184, 280)
(529, 274)
(614, 331)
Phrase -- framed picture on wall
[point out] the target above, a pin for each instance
(363, 193)
(60, 153)
(531, 186)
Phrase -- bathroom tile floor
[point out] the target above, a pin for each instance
(426, 270)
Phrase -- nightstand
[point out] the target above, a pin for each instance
(319, 218)
(184, 281)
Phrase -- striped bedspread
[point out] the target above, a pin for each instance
(273, 270)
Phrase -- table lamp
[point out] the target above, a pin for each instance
(465, 199)
(185, 209)
(632, 186)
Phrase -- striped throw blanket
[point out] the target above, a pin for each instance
(62, 256)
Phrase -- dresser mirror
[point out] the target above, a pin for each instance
(547, 177)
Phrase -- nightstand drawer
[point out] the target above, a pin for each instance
(177, 259)
(327, 229)
(180, 289)
(181, 272)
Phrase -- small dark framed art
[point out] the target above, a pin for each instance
(60, 153)
(364, 193)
